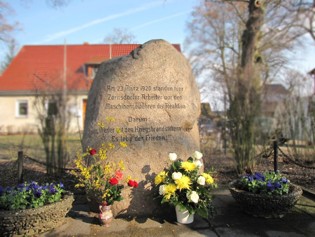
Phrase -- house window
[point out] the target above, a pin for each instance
(22, 108)
(52, 108)
(91, 70)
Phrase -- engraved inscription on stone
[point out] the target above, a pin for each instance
(154, 99)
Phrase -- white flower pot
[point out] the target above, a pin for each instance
(183, 216)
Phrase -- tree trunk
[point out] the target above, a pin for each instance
(245, 105)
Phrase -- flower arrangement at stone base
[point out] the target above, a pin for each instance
(185, 187)
(102, 180)
(268, 194)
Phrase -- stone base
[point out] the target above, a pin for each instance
(30, 222)
(266, 206)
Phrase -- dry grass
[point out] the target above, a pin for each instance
(31, 145)
(222, 164)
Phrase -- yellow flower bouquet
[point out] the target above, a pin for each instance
(102, 180)
(183, 184)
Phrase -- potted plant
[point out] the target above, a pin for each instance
(22, 207)
(184, 186)
(102, 180)
(268, 194)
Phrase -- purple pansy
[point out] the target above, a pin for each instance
(259, 176)
(270, 186)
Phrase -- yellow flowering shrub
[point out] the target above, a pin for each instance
(183, 184)
(102, 179)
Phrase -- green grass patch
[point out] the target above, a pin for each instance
(31, 145)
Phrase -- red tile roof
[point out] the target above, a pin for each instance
(40, 65)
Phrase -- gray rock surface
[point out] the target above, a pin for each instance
(153, 97)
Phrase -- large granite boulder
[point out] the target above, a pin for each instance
(153, 96)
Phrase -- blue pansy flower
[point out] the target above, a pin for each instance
(1, 190)
(38, 193)
(27, 188)
(270, 186)
(34, 185)
(259, 176)
(61, 185)
(8, 189)
(21, 185)
(284, 180)
(45, 187)
(249, 177)
(52, 189)
(277, 185)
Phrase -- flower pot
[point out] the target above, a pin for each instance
(31, 222)
(263, 205)
(106, 214)
(183, 216)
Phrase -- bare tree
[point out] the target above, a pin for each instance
(120, 36)
(296, 117)
(306, 9)
(242, 44)
(5, 27)
(51, 104)
(12, 49)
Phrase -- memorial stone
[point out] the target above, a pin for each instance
(153, 97)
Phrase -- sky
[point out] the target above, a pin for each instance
(92, 20)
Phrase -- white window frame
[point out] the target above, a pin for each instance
(94, 71)
(17, 109)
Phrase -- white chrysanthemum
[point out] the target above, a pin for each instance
(162, 189)
(193, 197)
(176, 175)
(172, 156)
(197, 155)
(201, 180)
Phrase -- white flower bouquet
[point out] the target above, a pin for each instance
(183, 184)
